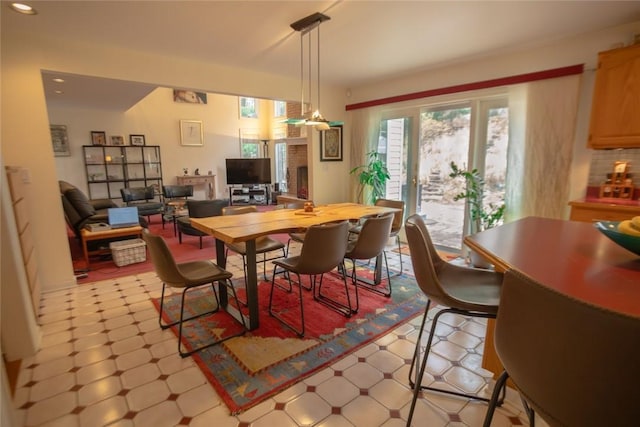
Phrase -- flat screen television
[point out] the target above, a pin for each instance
(248, 171)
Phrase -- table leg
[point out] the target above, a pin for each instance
(221, 260)
(85, 251)
(252, 284)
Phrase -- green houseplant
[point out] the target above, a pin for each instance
(372, 178)
(483, 216)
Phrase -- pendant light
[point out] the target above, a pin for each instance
(305, 26)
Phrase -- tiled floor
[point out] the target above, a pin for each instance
(105, 361)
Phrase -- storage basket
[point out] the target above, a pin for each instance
(125, 252)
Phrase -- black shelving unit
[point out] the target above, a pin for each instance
(110, 168)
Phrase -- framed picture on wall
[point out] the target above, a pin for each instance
(331, 144)
(98, 137)
(191, 132)
(136, 139)
(117, 140)
(60, 140)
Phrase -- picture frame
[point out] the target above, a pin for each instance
(191, 133)
(331, 144)
(117, 140)
(98, 137)
(189, 96)
(136, 139)
(60, 140)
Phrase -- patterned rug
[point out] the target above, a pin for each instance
(248, 369)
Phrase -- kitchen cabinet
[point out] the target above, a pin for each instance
(615, 109)
(597, 210)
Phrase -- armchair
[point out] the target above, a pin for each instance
(144, 199)
(80, 211)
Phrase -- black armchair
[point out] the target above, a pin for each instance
(144, 199)
(80, 211)
(199, 209)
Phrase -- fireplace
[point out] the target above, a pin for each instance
(302, 182)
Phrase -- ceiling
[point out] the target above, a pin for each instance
(364, 41)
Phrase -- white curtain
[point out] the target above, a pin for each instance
(365, 129)
(542, 121)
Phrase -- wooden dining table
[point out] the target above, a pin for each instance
(571, 257)
(247, 227)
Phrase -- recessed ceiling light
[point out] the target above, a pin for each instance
(58, 80)
(59, 92)
(23, 8)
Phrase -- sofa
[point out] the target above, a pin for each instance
(80, 211)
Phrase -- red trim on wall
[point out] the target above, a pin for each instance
(503, 81)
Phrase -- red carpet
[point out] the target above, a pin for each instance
(248, 369)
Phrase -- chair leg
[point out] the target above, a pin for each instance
(200, 237)
(300, 331)
(228, 283)
(399, 256)
(417, 385)
(179, 236)
(501, 383)
(346, 309)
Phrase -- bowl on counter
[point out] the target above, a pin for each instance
(627, 241)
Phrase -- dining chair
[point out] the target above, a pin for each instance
(323, 250)
(295, 236)
(370, 243)
(199, 209)
(187, 276)
(264, 244)
(457, 289)
(396, 225)
(574, 364)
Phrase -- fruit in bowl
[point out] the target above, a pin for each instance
(624, 233)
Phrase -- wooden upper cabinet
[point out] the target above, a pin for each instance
(615, 111)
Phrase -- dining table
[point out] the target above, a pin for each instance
(571, 257)
(247, 227)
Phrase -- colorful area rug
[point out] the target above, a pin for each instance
(248, 369)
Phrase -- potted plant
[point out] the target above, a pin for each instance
(483, 216)
(372, 178)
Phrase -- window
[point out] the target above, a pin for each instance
(248, 108)
(279, 109)
(249, 144)
(281, 164)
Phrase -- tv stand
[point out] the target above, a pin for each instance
(257, 194)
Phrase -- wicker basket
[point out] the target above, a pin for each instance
(127, 252)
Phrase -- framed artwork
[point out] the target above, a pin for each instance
(98, 138)
(117, 140)
(189, 96)
(136, 139)
(331, 144)
(191, 133)
(60, 140)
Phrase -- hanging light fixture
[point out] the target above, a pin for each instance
(305, 26)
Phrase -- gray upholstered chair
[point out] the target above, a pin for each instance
(574, 364)
(186, 276)
(396, 226)
(461, 290)
(370, 243)
(322, 251)
(199, 209)
(144, 198)
(264, 244)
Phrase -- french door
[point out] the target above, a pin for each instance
(419, 146)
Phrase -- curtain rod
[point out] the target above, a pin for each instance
(486, 84)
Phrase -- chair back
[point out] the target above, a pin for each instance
(575, 363)
(323, 248)
(177, 191)
(398, 217)
(425, 259)
(372, 239)
(296, 205)
(238, 210)
(135, 194)
(206, 208)
(162, 260)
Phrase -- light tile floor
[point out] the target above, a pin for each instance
(105, 361)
